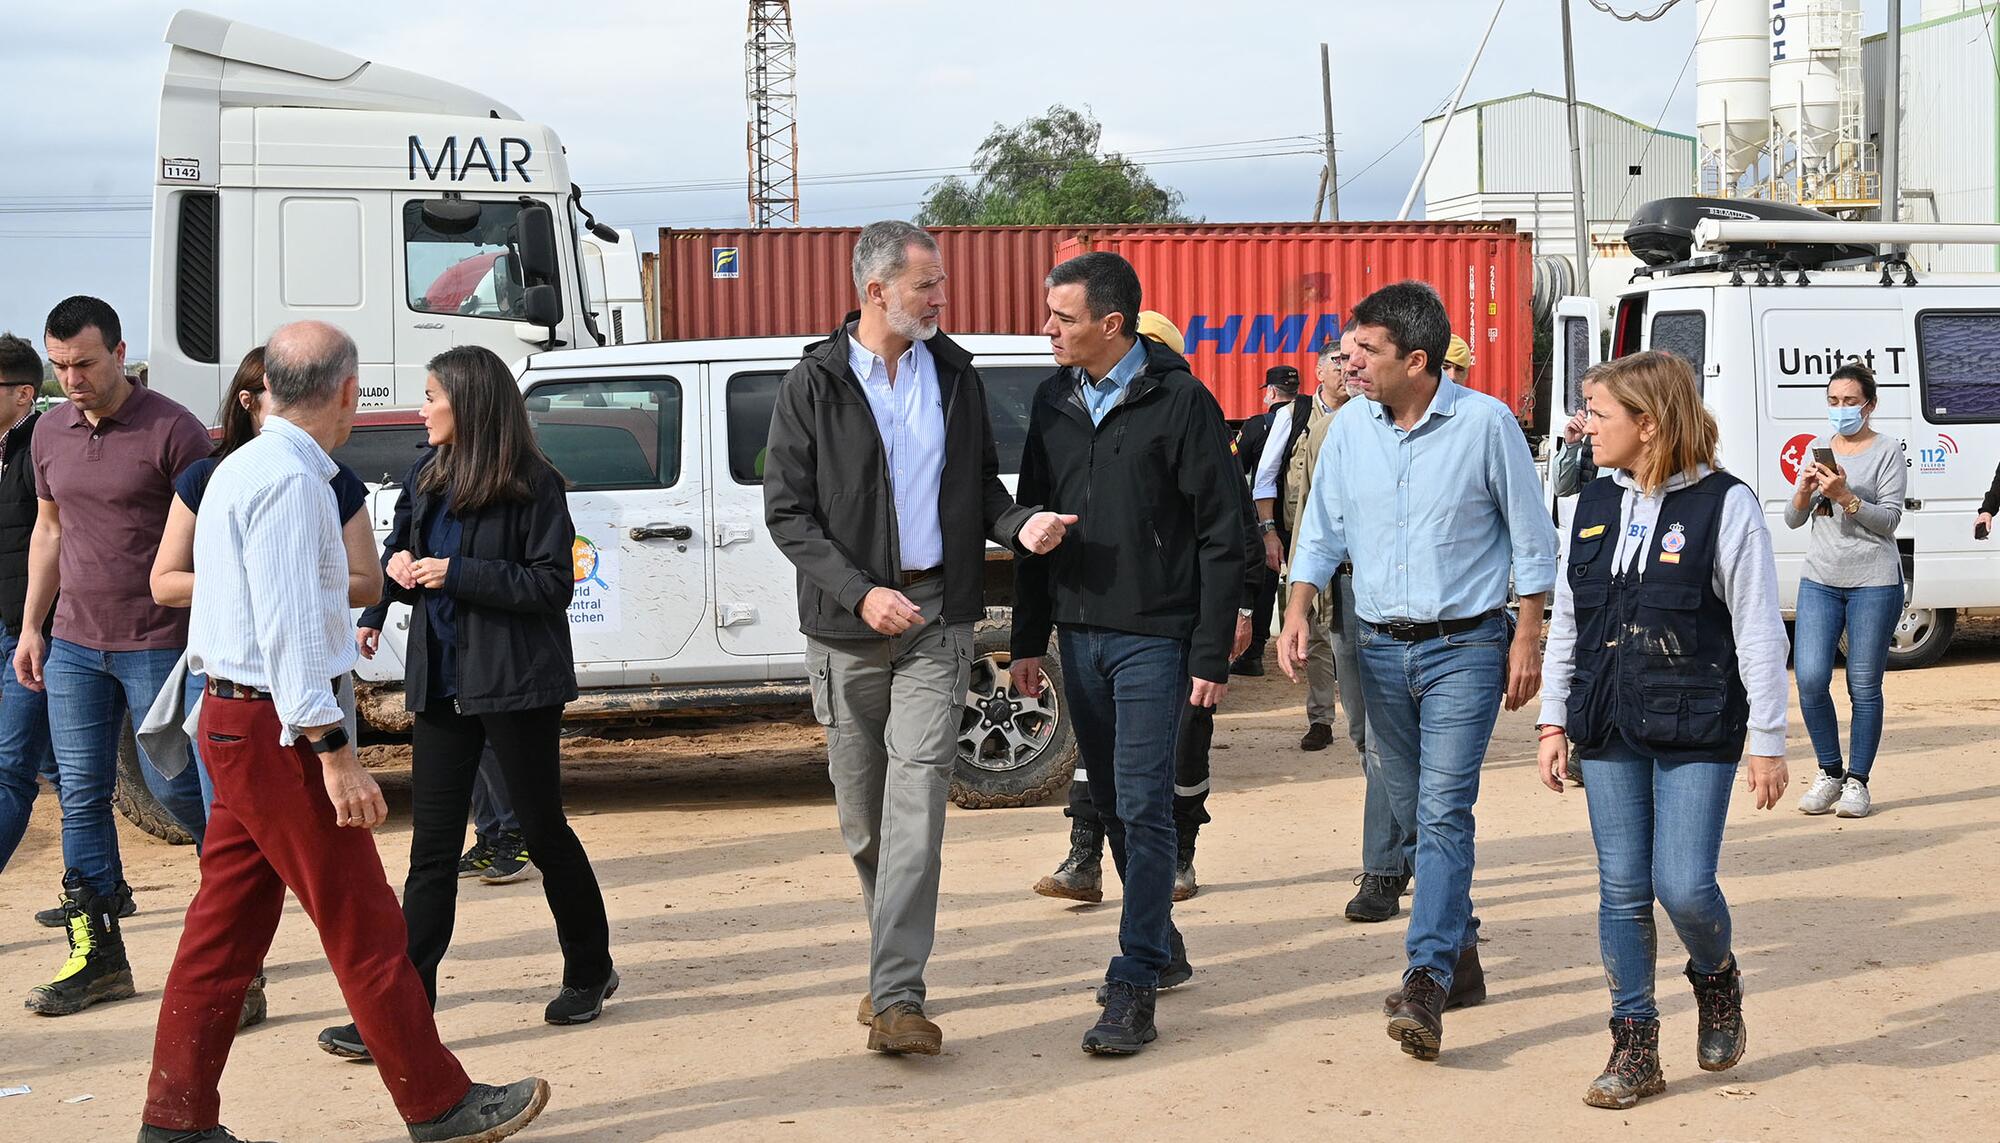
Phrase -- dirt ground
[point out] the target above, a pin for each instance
(1869, 949)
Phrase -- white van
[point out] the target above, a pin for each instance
(296, 181)
(1766, 314)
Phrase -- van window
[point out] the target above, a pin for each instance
(1955, 355)
(473, 273)
(1576, 360)
(382, 454)
(748, 400)
(607, 435)
(1625, 327)
(1683, 333)
(1010, 395)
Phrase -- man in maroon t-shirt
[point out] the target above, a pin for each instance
(104, 470)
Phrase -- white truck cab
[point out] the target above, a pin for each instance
(296, 181)
(1766, 310)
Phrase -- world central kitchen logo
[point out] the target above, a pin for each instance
(1262, 333)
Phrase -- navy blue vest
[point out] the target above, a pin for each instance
(1655, 654)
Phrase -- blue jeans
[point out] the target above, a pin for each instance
(492, 812)
(1388, 841)
(89, 693)
(1868, 615)
(1125, 694)
(1431, 709)
(24, 750)
(1658, 829)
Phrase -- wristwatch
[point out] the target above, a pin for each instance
(1267, 526)
(1853, 506)
(1245, 613)
(331, 741)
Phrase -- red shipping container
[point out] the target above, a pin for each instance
(789, 281)
(1247, 303)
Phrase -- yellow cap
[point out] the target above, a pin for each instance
(1155, 325)
(1459, 355)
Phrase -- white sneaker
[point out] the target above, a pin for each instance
(1824, 792)
(1853, 799)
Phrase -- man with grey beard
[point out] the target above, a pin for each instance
(882, 486)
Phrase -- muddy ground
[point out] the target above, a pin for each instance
(1869, 950)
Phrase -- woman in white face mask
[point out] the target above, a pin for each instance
(1853, 583)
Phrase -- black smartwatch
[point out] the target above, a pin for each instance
(331, 741)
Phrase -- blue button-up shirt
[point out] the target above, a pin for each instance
(1103, 395)
(910, 416)
(1435, 518)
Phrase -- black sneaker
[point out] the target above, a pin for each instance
(487, 1114)
(345, 1042)
(1177, 972)
(1718, 999)
(581, 1005)
(55, 918)
(510, 861)
(474, 861)
(1126, 1025)
(96, 970)
(151, 1134)
(1380, 897)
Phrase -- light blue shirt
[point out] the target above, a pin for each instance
(1433, 519)
(1101, 396)
(910, 416)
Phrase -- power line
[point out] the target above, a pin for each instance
(1641, 17)
(1633, 180)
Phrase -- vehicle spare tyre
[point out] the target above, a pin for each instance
(135, 799)
(1012, 750)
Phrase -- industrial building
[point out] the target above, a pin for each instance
(1950, 137)
(1508, 158)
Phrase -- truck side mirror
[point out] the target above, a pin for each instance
(538, 244)
(542, 306)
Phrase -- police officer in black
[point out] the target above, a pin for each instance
(1263, 445)
(24, 714)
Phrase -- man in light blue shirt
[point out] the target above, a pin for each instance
(1102, 395)
(1428, 488)
(909, 413)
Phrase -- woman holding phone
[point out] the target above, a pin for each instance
(1851, 497)
(1666, 659)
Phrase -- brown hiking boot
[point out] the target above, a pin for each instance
(902, 1029)
(866, 1013)
(1468, 984)
(1634, 1068)
(1080, 877)
(1418, 1022)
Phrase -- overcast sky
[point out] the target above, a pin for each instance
(651, 91)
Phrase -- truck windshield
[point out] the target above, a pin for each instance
(474, 274)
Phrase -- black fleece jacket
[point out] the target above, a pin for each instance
(1160, 544)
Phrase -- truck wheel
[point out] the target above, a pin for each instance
(135, 799)
(1920, 638)
(1012, 750)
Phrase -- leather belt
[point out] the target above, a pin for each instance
(911, 578)
(1409, 631)
(223, 688)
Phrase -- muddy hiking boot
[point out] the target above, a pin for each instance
(1080, 877)
(1718, 1001)
(487, 1114)
(96, 970)
(56, 918)
(1185, 885)
(1633, 1071)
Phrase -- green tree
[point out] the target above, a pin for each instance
(1049, 170)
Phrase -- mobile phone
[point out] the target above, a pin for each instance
(1824, 456)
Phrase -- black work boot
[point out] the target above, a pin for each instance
(1468, 984)
(1718, 999)
(1418, 1021)
(1178, 971)
(1080, 877)
(1185, 885)
(1380, 897)
(96, 970)
(1126, 1025)
(56, 918)
(151, 1134)
(1634, 1069)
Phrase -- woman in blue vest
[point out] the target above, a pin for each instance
(1666, 653)
(1852, 584)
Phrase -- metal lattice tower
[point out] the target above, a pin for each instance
(770, 70)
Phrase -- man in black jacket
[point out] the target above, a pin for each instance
(1145, 591)
(882, 486)
(24, 714)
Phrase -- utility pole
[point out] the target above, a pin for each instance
(1892, 119)
(1332, 183)
(1579, 218)
(1450, 110)
(770, 80)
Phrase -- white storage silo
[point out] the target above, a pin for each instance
(1732, 83)
(1805, 70)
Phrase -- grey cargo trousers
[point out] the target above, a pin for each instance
(890, 706)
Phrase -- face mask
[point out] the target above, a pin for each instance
(1846, 419)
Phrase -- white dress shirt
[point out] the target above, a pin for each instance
(270, 589)
(909, 413)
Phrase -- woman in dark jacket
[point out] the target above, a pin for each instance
(481, 551)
